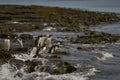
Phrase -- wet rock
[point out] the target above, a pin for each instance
(19, 74)
(62, 67)
(85, 48)
(26, 37)
(31, 65)
(24, 49)
(61, 53)
(12, 35)
(18, 63)
(95, 38)
(4, 56)
(51, 66)
(58, 67)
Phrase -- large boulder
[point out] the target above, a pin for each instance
(51, 66)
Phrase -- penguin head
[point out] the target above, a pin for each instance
(49, 35)
(60, 44)
(8, 37)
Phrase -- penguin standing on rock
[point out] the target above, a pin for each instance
(33, 51)
(48, 42)
(19, 40)
(40, 41)
(6, 44)
(37, 41)
(54, 47)
(39, 46)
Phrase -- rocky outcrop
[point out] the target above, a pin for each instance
(49, 66)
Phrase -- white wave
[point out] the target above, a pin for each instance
(8, 72)
(49, 29)
(105, 55)
(72, 76)
(5, 73)
(23, 57)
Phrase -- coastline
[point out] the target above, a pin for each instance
(83, 48)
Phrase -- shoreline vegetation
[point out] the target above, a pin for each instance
(18, 18)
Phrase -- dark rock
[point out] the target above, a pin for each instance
(19, 74)
(17, 63)
(61, 53)
(95, 38)
(51, 66)
(59, 67)
(24, 49)
(26, 37)
(85, 48)
(31, 65)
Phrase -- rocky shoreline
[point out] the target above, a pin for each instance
(32, 18)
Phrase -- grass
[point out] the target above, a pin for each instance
(35, 16)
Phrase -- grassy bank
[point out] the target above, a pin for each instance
(28, 18)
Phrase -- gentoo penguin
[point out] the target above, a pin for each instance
(40, 41)
(32, 52)
(54, 48)
(6, 44)
(48, 42)
(40, 51)
(19, 40)
(37, 40)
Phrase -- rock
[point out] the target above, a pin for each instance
(4, 56)
(85, 48)
(58, 67)
(26, 37)
(61, 53)
(31, 65)
(51, 66)
(18, 63)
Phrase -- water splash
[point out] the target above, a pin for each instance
(72, 76)
(104, 55)
(8, 72)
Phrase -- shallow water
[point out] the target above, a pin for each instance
(108, 28)
(104, 59)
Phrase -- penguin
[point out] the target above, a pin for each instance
(54, 48)
(20, 41)
(40, 41)
(6, 44)
(37, 41)
(40, 51)
(43, 50)
(32, 52)
(48, 42)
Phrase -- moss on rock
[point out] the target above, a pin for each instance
(95, 38)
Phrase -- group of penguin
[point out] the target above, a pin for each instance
(43, 44)
(7, 43)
